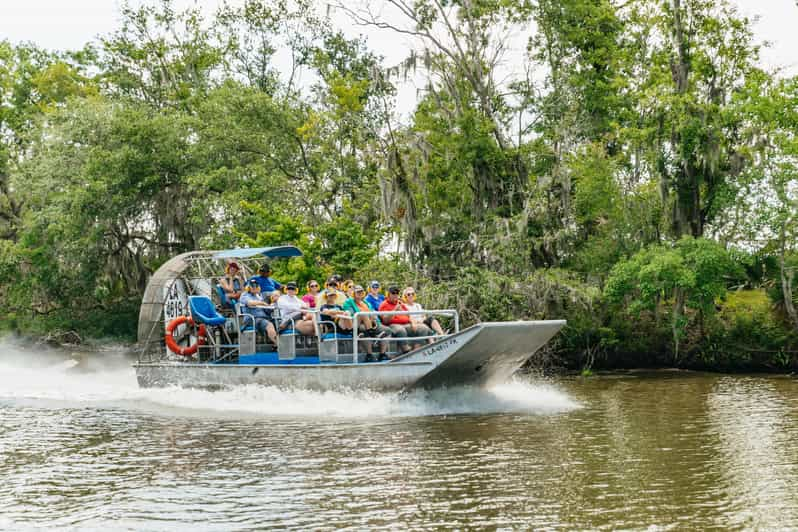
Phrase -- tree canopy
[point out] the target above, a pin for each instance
(632, 163)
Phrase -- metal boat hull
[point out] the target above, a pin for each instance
(481, 355)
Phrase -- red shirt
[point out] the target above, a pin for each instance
(386, 306)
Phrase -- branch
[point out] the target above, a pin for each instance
(305, 158)
(272, 158)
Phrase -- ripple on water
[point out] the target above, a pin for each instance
(88, 449)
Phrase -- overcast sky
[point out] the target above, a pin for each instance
(69, 24)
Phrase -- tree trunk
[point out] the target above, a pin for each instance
(686, 218)
(786, 284)
(676, 327)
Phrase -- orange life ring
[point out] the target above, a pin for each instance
(172, 344)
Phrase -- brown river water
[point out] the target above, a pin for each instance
(82, 447)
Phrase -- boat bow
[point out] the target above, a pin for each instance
(484, 354)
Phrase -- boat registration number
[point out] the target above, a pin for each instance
(438, 347)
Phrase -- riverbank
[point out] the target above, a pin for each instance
(560, 357)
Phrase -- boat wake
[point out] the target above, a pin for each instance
(105, 380)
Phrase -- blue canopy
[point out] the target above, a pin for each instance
(245, 253)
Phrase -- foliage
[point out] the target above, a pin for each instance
(747, 334)
(633, 171)
(692, 273)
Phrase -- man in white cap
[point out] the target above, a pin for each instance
(293, 312)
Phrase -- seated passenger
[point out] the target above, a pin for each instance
(348, 288)
(267, 284)
(232, 283)
(292, 312)
(332, 311)
(332, 286)
(313, 292)
(252, 303)
(370, 326)
(409, 296)
(374, 297)
(401, 325)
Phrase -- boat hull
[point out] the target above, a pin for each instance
(482, 355)
(383, 376)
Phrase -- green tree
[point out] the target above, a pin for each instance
(699, 53)
(690, 274)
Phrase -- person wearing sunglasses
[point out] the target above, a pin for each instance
(409, 297)
(374, 297)
(293, 312)
(400, 324)
(369, 326)
(312, 293)
(332, 286)
(253, 306)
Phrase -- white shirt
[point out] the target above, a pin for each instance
(290, 304)
(416, 318)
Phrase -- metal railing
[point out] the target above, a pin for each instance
(242, 319)
(355, 340)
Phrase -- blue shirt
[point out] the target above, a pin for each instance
(375, 302)
(267, 284)
(258, 311)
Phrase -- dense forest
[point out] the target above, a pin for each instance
(633, 168)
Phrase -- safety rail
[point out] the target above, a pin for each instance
(328, 347)
(242, 320)
(286, 349)
(446, 312)
(277, 317)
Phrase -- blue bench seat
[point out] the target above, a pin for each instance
(272, 358)
(336, 336)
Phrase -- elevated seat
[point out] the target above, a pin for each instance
(203, 311)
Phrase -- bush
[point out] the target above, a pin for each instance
(747, 334)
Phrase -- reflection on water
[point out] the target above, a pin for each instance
(82, 446)
(755, 422)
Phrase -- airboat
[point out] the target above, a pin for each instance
(189, 335)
